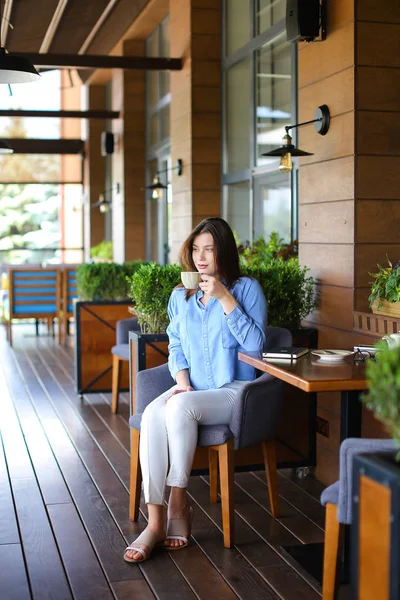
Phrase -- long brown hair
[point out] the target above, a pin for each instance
(225, 251)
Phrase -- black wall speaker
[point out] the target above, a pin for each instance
(107, 143)
(302, 20)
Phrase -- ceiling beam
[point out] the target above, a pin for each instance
(51, 30)
(6, 23)
(37, 146)
(63, 114)
(86, 61)
(97, 26)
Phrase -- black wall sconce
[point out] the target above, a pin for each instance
(104, 204)
(287, 150)
(157, 187)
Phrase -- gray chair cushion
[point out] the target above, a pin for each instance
(330, 495)
(121, 350)
(340, 493)
(124, 326)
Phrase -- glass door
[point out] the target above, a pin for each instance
(159, 212)
(273, 206)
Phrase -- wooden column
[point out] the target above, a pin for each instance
(128, 92)
(195, 114)
(94, 171)
(377, 181)
(349, 212)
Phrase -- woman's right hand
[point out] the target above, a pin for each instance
(188, 389)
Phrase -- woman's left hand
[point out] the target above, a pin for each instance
(213, 287)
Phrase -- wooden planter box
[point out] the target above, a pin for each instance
(375, 540)
(388, 309)
(95, 331)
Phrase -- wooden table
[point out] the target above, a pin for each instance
(311, 375)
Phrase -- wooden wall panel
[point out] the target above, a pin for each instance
(384, 11)
(134, 156)
(327, 181)
(378, 132)
(385, 51)
(338, 142)
(335, 54)
(339, 12)
(378, 88)
(377, 221)
(369, 255)
(195, 114)
(378, 177)
(327, 223)
(337, 91)
(335, 307)
(329, 263)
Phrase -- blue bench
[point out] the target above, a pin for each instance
(33, 294)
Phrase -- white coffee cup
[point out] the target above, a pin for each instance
(191, 279)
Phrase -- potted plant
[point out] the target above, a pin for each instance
(376, 486)
(103, 300)
(384, 298)
(103, 252)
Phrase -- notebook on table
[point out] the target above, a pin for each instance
(291, 353)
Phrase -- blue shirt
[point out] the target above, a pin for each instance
(205, 341)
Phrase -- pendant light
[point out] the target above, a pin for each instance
(15, 69)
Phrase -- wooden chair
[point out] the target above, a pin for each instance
(69, 293)
(255, 417)
(337, 498)
(33, 294)
(120, 354)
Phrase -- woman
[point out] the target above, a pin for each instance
(207, 328)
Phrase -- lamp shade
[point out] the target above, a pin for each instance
(5, 148)
(16, 69)
(287, 149)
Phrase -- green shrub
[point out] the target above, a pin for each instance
(386, 285)
(105, 281)
(383, 398)
(289, 292)
(262, 252)
(104, 250)
(150, 289)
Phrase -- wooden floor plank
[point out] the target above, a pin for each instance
(309, 484)
(46, 572)
(306, 532)
(101, 526)
(84, 572)
(256, 552)
(85, 449)
(8, 521)
(109, 553)
(132, 590)
(13, 580)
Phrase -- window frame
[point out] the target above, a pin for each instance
(249, 51)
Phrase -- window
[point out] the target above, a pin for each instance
(259, 99)
(158, 147)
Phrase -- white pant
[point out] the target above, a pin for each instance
(169, 431)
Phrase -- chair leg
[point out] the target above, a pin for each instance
(9, 332)
(116, 382)
(135, 477)
(213, 468)
(272, 476)
(333, 535)
(226, 474)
